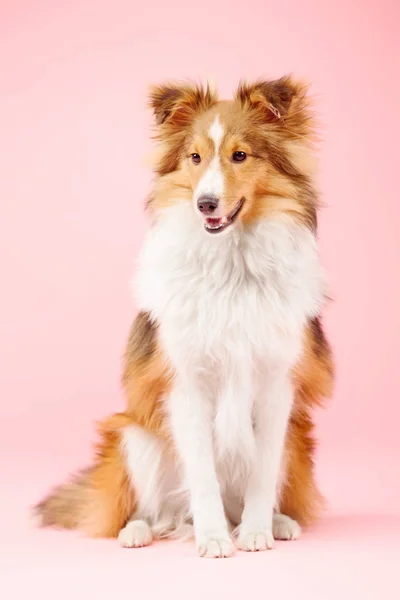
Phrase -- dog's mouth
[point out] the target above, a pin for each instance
(219, 224)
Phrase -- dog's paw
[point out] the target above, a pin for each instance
(216, 547)
(135, 534)
(256, 542)
(285, 528)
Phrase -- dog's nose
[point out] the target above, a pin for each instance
(207, 204)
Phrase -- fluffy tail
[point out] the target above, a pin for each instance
(98, 500)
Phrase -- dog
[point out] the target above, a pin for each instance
(227, 356)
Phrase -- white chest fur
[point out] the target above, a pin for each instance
(231, 309)
(217, 296)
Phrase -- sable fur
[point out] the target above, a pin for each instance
(275, 119)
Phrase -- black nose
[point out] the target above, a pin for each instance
(207, 204)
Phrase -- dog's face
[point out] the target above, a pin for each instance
(235, 161)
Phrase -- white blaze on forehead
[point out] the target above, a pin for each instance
(216, 133)
(212, 183)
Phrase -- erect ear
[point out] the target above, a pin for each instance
(274, 98)
(177, 104)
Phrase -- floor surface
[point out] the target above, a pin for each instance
(345, 556)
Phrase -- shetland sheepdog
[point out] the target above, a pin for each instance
(227, 356)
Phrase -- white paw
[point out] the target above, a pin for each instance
(135, 535)
(256, 542)
(216, 547)
(285, 528)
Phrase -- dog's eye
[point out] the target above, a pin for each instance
(196, 158)
(239, 156)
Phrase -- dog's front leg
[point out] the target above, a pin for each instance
(193, 435)
(272, 415)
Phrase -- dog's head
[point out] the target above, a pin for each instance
(236, 161)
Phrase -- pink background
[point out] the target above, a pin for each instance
(73, 138)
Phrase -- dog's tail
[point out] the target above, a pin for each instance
(98, 500)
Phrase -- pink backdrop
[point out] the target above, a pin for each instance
(73, 139)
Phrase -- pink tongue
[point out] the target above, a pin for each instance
(213, 221)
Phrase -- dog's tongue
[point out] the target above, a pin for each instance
(216, 221)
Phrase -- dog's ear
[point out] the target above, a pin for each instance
(177, 103)
(275, 99)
